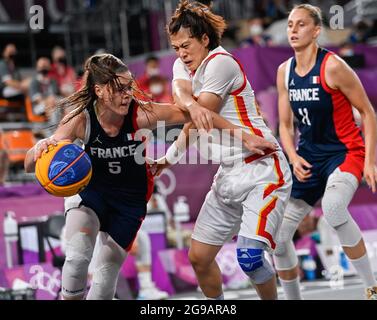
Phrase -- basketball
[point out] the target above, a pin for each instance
(64, 170)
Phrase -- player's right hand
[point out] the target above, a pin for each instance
(301, 168)
(258, 144)
(42, 146)
(201, 117)
(157, 166)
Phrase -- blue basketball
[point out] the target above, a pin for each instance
(64, 170)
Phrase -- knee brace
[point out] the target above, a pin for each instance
(340, 189)
(79, 251)
(104, 281)
(250, 256)
(285, 257)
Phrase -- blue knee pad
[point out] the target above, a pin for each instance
(250, 256)
(250, 259)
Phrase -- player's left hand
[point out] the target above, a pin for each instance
(370, 175)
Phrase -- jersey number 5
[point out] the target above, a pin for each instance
(305, 116)
(115, 168)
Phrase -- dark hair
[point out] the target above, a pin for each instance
(200, 20)
(151, 58)
(207, 3)
(99, 69)
(314, 12)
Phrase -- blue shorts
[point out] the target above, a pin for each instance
(313, 188)
(117, 217)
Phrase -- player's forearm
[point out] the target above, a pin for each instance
(14, 84)
(182, 94)
(29, 163)
(370, 133)
(177, 150)
(287, 140)
(220, 123)
(187, 137)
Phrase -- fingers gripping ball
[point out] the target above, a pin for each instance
(64, 170)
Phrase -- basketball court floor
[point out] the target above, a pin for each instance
(352, 289)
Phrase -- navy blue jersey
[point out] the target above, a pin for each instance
(325, 119)
(115, 160)
(329, 136)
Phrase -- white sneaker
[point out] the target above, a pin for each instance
(152, 293)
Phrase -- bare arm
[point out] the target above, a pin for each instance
(169, 113)
(182, 93)
(286, 128)
(301, 168)
(75, 128)
(340, 76)
(14, 84)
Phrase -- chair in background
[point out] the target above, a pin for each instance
(30, 115)
(16, 143)
(11, 110)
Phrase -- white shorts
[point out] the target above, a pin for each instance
(246, 199)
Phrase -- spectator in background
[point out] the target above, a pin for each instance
(361, 30)
(257, 36)
(346, 50)
(274, 10)
(353, 59)
(152, 68)
(12, 87)
(43, 90)
(64, 74)
(157, 86)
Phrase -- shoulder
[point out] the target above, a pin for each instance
(179, 65)
(282, 70)
(222, 59)
(33, 80)
(226, 63)
(78, 122)
(337, 71)
(3, 66)
(282, 67)
(334, 64)
(180, 71)
(178, 62)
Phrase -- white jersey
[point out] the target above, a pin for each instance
(223, 75)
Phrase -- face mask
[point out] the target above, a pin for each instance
(156, 89)
(63, 60)
(44, 72)
(256, 30)
(153, 72)
(347, 53)
(13, 57)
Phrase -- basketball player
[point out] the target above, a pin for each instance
(250, 191)
(319, 89)
(106, 117)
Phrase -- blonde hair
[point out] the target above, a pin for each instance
(314, 12)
